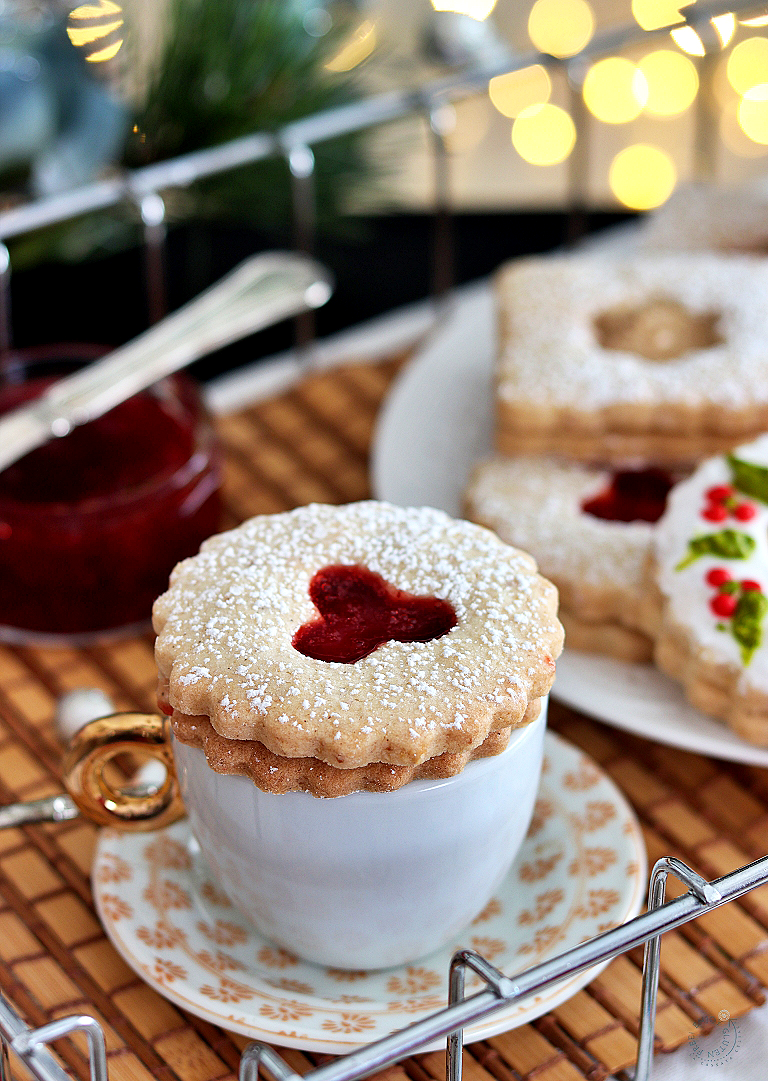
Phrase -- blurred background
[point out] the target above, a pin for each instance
(522, 162)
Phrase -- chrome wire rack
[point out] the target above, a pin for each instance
(500, 991)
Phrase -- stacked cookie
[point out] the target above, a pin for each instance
(336, 649)
(616, 376)
(570, 515)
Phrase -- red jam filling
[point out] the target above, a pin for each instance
(360, 611)
(92, 524)
(130, 445)
(637, 495)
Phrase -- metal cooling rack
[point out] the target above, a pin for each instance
(500, 991)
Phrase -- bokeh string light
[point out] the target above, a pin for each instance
(656, 14)
(734, 136)
(748, 64)
(753, 114)
(672, 82)
(686, 38)
(96, 28)
(663, 83)
(725, 27)
(642, 177)
(615, 90)
(743, 95)
(543, 134)
(561, 28)
(520, 90)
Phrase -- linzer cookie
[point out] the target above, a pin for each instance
(661, 359)
(706, 217)
(335, 648)
(590, 532)
(706, 601)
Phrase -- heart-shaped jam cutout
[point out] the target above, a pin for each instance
(360, 611)
(638, 495)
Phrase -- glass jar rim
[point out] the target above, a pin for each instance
(67, 354)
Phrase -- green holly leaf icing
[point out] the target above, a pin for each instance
(747, 622)
(727, 544)
(749, 478)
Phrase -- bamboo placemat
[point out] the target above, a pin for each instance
(312, 444)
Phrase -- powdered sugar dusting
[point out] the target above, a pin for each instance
(226, 624)
(552, 355)
(706, 217)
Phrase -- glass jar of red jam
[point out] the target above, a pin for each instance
(92, 524)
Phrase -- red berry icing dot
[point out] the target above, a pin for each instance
(749, 585)
(718, 576)
(715, 513)
(360, 611)
(745, 511)
(724, 604)
(719, 493)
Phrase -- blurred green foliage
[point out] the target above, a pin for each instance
(229, 68)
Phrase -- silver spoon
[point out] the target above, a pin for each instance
(262, 290)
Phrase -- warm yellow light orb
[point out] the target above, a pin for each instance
(520, 89)
(725, 27)
(615, 90)
(734, 138)
(543, 135)
(753, 114)
(686, 38)
(642, 176)
(672, 81)
(655, 14)
(748, 64)
(91, 25)
(561, 27)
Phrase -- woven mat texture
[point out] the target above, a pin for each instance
(312, 444)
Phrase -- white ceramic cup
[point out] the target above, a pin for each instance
(371, 879)
(363, 881)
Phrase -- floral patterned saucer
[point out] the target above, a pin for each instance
(580, 871)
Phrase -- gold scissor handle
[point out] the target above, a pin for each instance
(95, 745)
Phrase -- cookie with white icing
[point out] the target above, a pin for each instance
(588, 529)
(706, 602)
(659, 358)
(354, 636)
